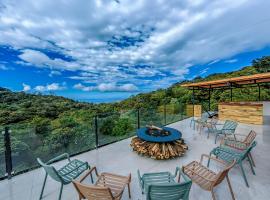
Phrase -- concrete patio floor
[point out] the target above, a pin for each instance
(119, 158)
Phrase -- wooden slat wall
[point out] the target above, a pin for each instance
(248, 114)
(197, 110)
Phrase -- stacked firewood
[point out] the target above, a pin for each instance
(159, 151)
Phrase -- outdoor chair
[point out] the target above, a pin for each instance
(228, 154)
(107, 187)
(199, 121)
(206, 178)
(209, 124)
(227, 129)
(64, 175)
(161, 185)
(241, 142)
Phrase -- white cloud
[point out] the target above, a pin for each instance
(231, 61)
(79, 86)
(49, 87)
(55, 73)
(213, 62)
(3, 67)
(174, 34)
(107, 87)
(26, 87)
(204, 71)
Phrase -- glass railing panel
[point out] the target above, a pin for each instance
(152, 116)
(174, 112)
(29, 142)
(113, 127)
(2, 154)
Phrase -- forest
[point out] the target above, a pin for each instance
(46, 125)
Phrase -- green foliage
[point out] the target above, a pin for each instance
(107, 124)
(262, 64)
(40, 124)
(122, 127)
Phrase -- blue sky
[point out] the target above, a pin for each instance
(105, 50)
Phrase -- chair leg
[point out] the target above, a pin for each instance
(129, 194)
(213, 195)
(244, 175)
(216, 138)
(251, 165)
(208, 163)
(230, 187)
(43, 186)
(252, 160)
(92, 180)
(61, 190)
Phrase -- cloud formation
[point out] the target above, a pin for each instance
(49, 87)
(107, 87)
(115, 45)
(26, 87)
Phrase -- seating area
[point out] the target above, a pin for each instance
(221, 170)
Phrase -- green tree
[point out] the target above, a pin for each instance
(41, 125)
(262, 64)
(122, 127)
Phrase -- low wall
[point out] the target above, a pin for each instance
(243, 112)
(197, 110)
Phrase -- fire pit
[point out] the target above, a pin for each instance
(159, 143)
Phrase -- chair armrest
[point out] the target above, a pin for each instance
(88, 173)
(181, 174)
(212, 158)
(60, 157)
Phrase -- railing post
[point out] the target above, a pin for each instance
(96, 130)
(8, 158)
(138, 118)
(165, 114)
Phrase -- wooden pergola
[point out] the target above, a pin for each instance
(256, 80)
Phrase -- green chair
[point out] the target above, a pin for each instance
(227, 129)
(64, 175)
(161, 185)
(229, 154)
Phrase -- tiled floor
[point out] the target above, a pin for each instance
(119, 158)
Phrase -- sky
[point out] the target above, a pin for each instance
(108, 50)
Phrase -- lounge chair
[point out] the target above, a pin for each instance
(108, 186)
(205, 177)
(227, 129)
(161, 185)
(240, 142)
(64, 175)
(227, 155)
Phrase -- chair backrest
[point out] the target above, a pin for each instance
(250, 137)
(93, 192)
(229, 126)
(50, 170)
(174, 191)
(247, 151)
(222, 174)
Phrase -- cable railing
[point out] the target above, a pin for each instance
(22, 143)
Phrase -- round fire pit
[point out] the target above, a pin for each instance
(162, 143)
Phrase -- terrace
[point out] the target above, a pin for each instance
(119, 158)
(114, 154)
